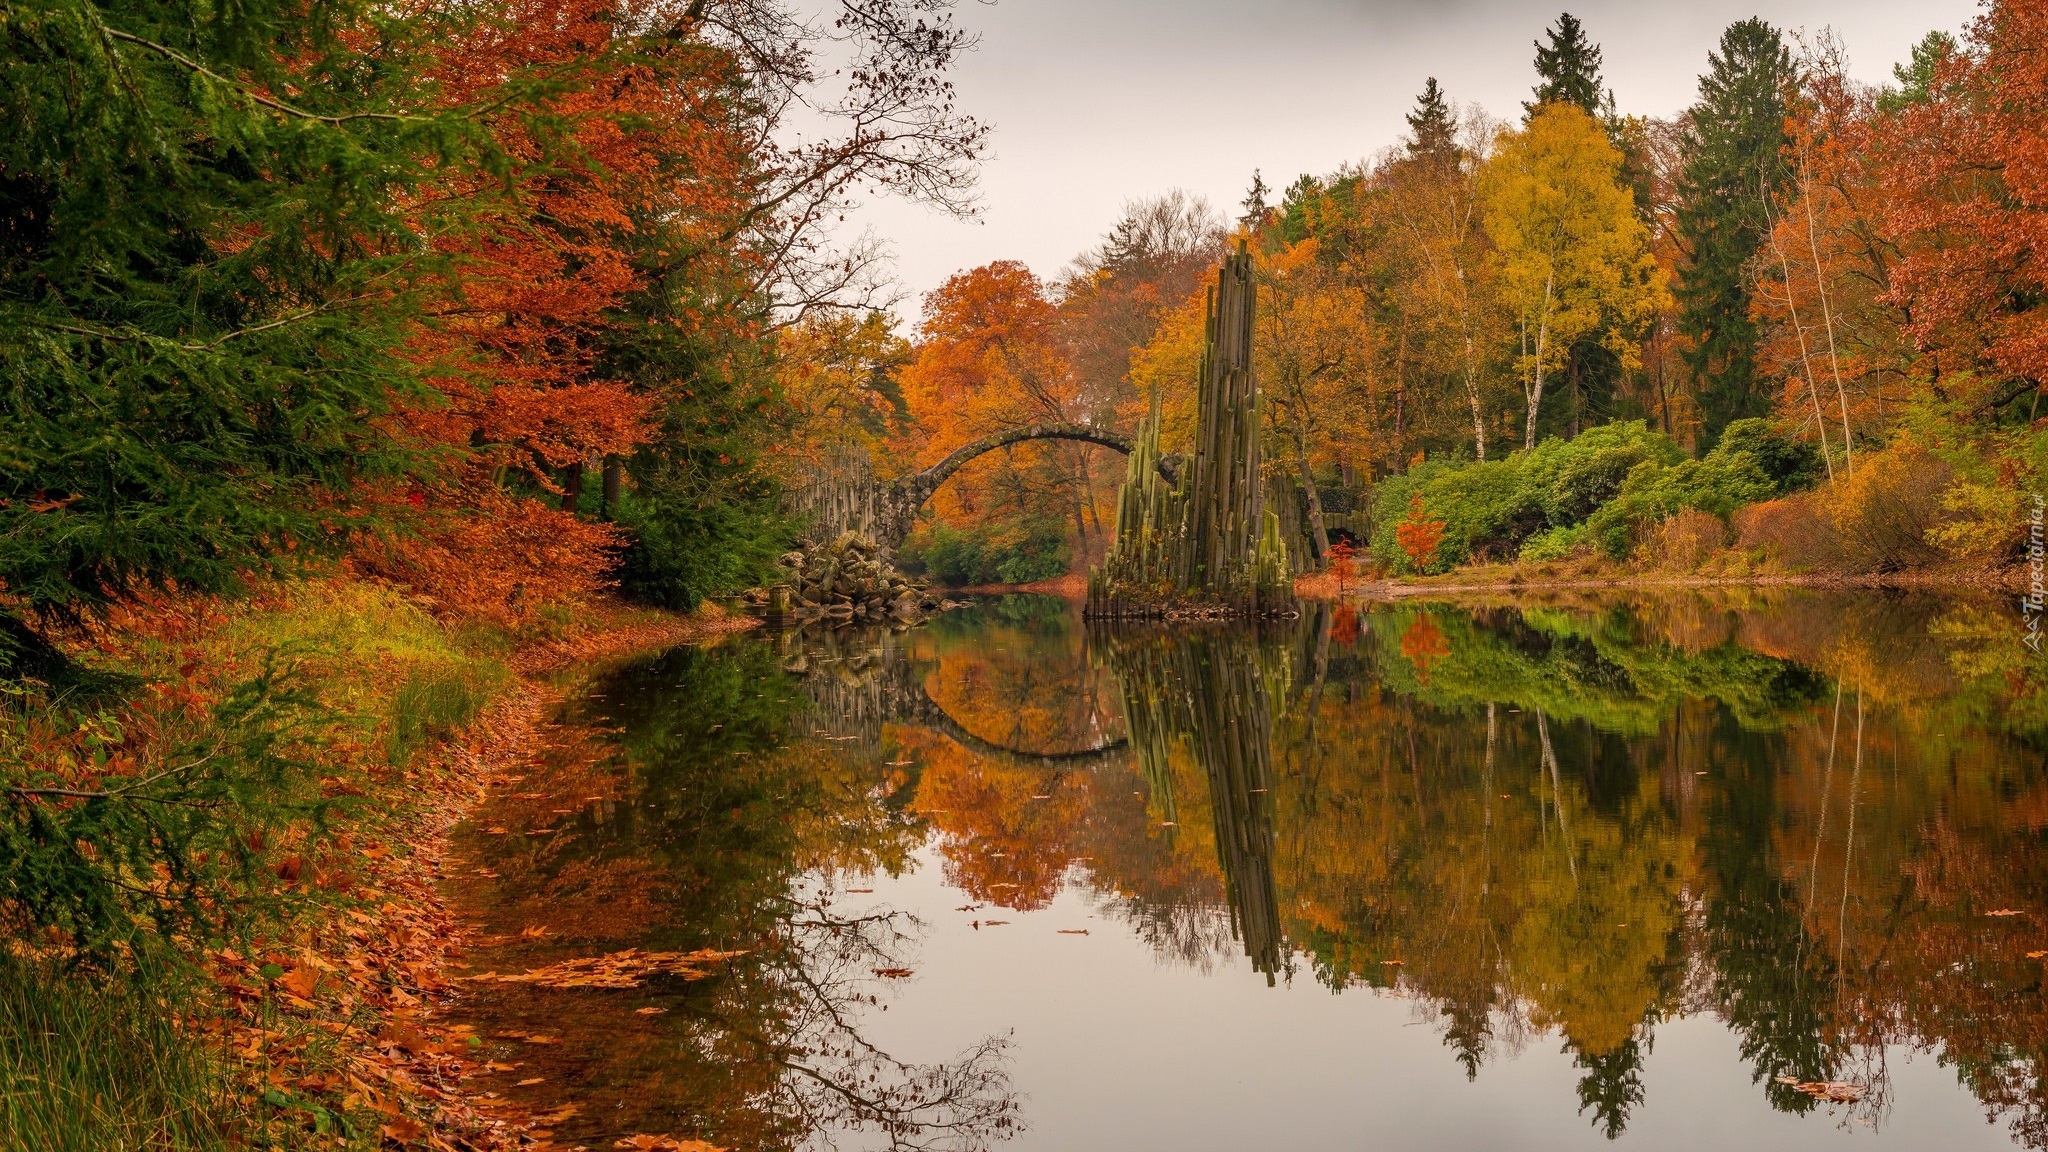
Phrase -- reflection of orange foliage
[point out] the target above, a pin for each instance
(1418, 534)
(1001, 845)
(1344, 628)
(1424, 644)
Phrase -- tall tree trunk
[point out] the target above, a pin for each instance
(1318, 538)
(1401, 396)
(1827, 316)
(614, 472)
(1792, 308)
(1572, 358)
(1472, 394)
(1535, 394)
(572, 486)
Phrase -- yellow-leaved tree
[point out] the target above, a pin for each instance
(1572, 258)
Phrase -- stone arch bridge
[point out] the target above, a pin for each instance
(842, 493)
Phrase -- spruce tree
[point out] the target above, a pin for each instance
(1569, 67)
(203, 275)
(1254, 203)
(1732, 169)
(1433, 130)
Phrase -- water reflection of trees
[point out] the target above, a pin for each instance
(1790, 812)
(708, 827)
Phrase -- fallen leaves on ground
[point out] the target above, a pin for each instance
(627, 969)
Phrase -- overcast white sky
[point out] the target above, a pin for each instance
(1095, 102)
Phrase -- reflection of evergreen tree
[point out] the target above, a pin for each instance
(1769, 982)
(1612, 1085)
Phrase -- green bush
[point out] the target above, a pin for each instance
(1554, 543)
(988, 554)
(1491, 510)
(1724, 480)
(1792, 465)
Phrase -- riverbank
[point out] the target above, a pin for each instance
(281, 948)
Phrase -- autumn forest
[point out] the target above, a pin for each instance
(420, 416)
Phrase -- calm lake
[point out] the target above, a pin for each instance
(1571, 873)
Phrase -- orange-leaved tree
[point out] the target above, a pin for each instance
(1419, 535)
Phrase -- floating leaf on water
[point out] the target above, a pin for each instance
(1073, 931)
(893, 973)
(1838, 1091)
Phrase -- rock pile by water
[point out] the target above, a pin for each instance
(845, 579)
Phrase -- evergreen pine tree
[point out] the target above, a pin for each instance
(1254, 202)
(1569, 67)
(1433, 130)
(202, 270)
(1732, 167)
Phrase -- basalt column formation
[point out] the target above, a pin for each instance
(1207, 546)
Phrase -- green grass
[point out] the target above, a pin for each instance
(87, 1066)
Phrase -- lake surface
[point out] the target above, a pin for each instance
(1577, 873)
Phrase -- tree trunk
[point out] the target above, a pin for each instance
(1472, 393)
(1401, 396)
(1572, 358)
(1792, 309)
(572, 486)
(1535, 393)
(614, 472)
(1318, 537)
(1827, 317)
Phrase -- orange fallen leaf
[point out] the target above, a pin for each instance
(648, 1011)
(529, 1081)
(538, 1039)
(534, 932)
(299, 982)
(2037, 955)
(403, 1129)
(2006, 912)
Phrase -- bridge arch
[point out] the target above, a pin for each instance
(902, 499)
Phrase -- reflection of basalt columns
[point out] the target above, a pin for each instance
(1214, 690)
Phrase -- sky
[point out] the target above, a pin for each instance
(1098, 102)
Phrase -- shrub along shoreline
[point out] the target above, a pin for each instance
(220, 869)
(1621, 503)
